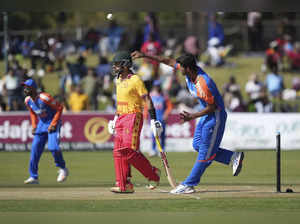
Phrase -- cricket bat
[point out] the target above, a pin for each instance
(165, 163)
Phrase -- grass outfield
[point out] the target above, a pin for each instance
(85, 197)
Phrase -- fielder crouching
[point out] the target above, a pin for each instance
(45, 115)
(127, 125)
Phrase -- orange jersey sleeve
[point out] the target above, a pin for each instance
(48, 99)
(33, 117)
(203, 91)
(169, 106)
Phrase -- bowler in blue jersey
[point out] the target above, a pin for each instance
(212, 119)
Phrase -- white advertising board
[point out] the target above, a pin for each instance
(250, 131)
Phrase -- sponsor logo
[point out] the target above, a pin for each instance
(16, 131)
(174, 130)
(96, 131)
(22, 131)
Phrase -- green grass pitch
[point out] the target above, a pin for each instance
(85, 196)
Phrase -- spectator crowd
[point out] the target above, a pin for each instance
(83, 87)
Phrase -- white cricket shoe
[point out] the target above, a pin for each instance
(183, 189)
(62, 175)
(31, 180)
(237, 162)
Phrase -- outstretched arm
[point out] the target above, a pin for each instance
(166, 60)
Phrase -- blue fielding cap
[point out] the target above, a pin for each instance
(30, 82)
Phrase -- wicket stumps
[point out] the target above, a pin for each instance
(278, 163)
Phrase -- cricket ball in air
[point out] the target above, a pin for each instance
(109, 16)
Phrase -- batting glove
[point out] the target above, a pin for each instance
(111, 125)
(156, 127)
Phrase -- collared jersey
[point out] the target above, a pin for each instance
(44, 110)
(205, 90)
(130, 93)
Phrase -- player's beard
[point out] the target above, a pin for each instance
(28, 92)
(117, 71)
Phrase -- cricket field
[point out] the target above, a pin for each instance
(85, 197)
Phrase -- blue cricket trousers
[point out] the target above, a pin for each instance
(207, 138)
(38, 145)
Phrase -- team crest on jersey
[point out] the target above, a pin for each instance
(158, 105)
(37, 111)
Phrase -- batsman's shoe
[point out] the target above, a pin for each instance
(31, 180)
(237, 163)
(153, 184)
(183, 189)
(62, 175)
(128, 189)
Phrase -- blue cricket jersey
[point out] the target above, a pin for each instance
(44, 111)
(206, 91)
(160, 104)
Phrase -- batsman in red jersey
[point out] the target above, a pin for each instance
(127, 125)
